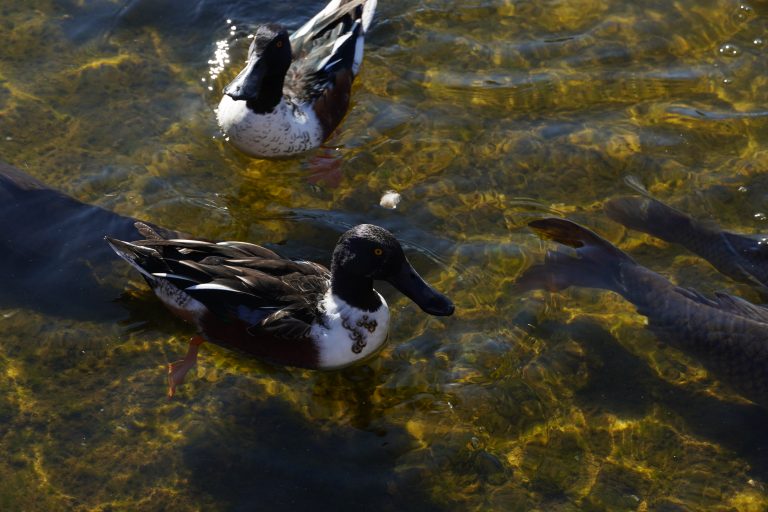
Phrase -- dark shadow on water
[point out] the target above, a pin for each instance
(268, 457)
(623, 384)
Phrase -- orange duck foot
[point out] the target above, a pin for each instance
(178, 369)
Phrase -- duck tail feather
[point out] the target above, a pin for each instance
(143, 259)
(369, 9)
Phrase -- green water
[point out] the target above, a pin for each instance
(483, 115)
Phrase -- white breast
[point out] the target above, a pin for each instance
(349, 334)
(287, 130)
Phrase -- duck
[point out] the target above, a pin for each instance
(294, 90)
(284, 311)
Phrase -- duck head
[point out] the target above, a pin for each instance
(260, 83)
(366, 253)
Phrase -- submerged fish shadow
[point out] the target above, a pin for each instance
(267, 456)
(623, 384)
(53, 257)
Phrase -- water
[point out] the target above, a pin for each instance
(483, 115)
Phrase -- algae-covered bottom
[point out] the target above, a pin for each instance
(483, 115)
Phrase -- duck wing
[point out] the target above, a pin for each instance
(328, 50)
(233, 280)
(327, 25)
(284, 304)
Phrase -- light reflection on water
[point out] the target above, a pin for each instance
(483, 115)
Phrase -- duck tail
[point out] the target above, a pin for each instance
(369, 9)
(596, 263)
(141, 258)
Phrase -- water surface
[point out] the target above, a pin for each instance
(483, 114)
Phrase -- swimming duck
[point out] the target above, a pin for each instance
(291, 312)
(295, 90)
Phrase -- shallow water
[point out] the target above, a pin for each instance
(483, 115)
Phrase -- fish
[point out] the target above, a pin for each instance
(726, 334)
(743, 258)
(44, 237)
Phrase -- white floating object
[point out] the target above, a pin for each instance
(390, 199)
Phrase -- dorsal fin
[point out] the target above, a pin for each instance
(154, 232)
(741, 307)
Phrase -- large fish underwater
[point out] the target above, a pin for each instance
(743, 258)
(53, 258)
(728, 335)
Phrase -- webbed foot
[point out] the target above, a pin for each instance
(178, 369)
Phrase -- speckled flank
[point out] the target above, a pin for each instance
(287, 130)
(179, 302)
(349, 334)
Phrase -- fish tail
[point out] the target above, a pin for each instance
(596, 263)
(653, 217)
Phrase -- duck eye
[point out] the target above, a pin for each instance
(378, 251)
(279, 44)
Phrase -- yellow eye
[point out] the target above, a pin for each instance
(279, 44)
(378, 252)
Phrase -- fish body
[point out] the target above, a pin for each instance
(741, 257)
(52, 254)
(728, 335)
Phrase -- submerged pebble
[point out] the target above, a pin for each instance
(390, 199)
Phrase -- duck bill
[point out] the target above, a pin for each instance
(247, 83)
(410, 284)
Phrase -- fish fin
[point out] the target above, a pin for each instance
(741, 307)
(596, 263)
(747, 275)
(635, 184)
(695, 296)
(146, 231)
(726, 302)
